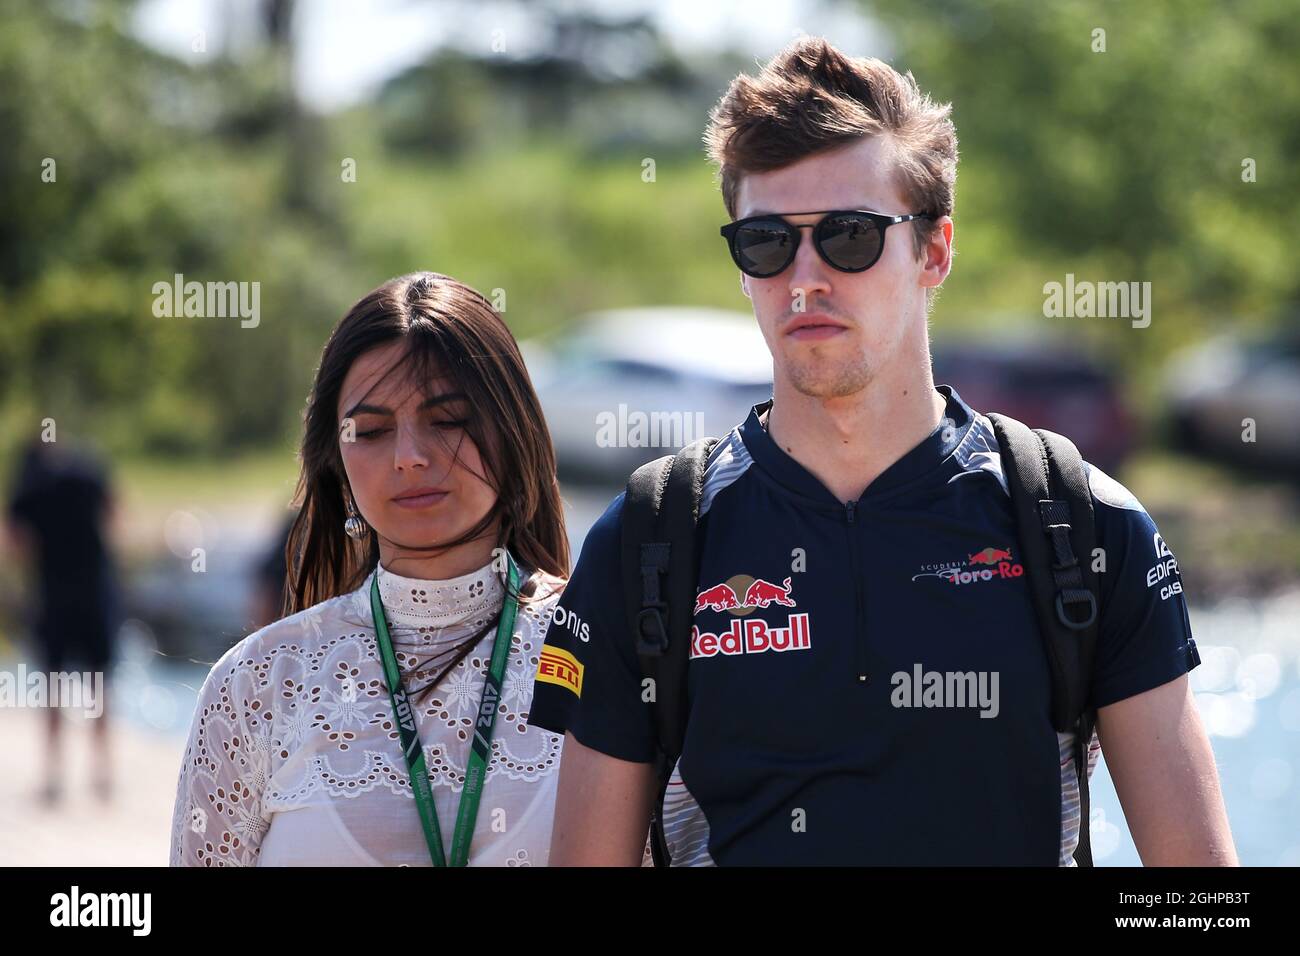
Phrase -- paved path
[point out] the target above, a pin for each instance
(130, 829)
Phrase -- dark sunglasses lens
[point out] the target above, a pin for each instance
(765, 247)
(849, 242)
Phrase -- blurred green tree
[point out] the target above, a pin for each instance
(1110, 140)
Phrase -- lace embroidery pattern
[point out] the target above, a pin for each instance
(301, 707)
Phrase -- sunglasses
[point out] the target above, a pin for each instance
(850, 240)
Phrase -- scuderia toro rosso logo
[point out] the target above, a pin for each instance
(739, 596)
(990, 564)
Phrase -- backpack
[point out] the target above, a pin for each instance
(1054, 521)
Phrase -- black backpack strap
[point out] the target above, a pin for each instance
(660, 513)
(1055, 525)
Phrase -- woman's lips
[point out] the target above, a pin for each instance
(415, 502)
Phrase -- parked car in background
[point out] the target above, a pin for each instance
(191, 616)
(631, 385)
(1045, 384)
(1219, 388)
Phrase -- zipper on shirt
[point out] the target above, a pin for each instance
(860, 639)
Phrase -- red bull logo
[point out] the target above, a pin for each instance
(740, 595)
(753, 636)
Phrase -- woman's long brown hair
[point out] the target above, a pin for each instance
(450, 331)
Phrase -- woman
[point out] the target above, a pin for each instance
(430, 517)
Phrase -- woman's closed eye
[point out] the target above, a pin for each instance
(453, 424)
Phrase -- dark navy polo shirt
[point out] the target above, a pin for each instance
(867, 682)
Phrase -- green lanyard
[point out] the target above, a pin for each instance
(485, 720)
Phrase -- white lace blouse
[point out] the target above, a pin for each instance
(294, 758)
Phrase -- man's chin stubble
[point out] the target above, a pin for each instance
(824, 379)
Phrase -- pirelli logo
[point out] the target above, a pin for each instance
(558, 666)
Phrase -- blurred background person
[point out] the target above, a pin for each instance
(59, 514)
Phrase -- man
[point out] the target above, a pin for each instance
(850, 519)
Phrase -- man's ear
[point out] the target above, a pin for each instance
(939, 251)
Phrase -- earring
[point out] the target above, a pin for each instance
(355, 526)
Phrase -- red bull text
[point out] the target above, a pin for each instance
(753, 636)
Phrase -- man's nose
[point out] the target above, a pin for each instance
(808, 273)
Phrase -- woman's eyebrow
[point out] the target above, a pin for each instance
(443, 398)
(362, 408)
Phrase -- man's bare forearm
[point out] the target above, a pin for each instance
(602, 808)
